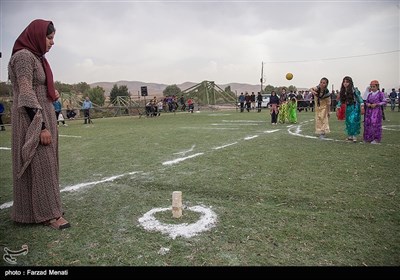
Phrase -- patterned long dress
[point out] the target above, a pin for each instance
(322, 116)
(353, 114)
(35, 166)
(373, 117)
(292, 113)
(283, 112)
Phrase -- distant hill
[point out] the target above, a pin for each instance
(155, 89)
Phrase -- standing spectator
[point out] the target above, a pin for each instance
(242, 99)
(160, 106)
(307, 99)
(274, 103)
(312, 102)
(392, 97)
(259, 102)
(322, 99)
(190, 105)
(86, 106)
(59, 116)
(383, 106)
(34, 137)
(182, 101)
(352, 98)
(2, 128)
(247, 98)
(398, 101)
(334, 101)
(300, 101)
(253, 100)
(373, 115)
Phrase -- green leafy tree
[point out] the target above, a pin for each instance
(123, 91)
(172, 90)
(114, 93)
(118, 91)
(96, 95)
(82, 87)
(269, 89)
(61, 87)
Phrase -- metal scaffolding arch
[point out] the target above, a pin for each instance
(124, 105)
(209, 93)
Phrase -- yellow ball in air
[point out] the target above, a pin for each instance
(289, 76)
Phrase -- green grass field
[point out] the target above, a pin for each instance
(282, 198)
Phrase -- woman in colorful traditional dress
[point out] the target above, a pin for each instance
(322, 106)
(292, 110)
(283, 107)
(373, 115)
(353, 101)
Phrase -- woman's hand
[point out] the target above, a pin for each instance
(45, 137)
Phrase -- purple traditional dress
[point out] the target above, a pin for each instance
(373, 117)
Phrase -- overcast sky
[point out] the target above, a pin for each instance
(172, 42)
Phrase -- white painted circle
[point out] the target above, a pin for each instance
(394, 127)
(207, 221)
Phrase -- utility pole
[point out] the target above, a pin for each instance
(262, 75)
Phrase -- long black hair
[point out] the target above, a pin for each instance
(347, 94)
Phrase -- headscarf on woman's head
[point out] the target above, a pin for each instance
(33, 38)
(323, 94)
(366, 93)
(374, 82)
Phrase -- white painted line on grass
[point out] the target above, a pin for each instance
(217, 115)
(71, 136)
(250, 137)
(81, 185)
(207, 221)
(271, 131)
(185, 152)
(78, 186)
(170, 162)
(242, 121)
(5, 148)
(393, 127)
(298, 130)
(6, 205)
(224, 146)
(163, 251)
(187, 127)
(234, 124)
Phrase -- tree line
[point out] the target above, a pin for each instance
(97, 94)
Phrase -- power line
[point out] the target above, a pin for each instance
(332, 58)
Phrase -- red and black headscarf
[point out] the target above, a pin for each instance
(33, 38)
